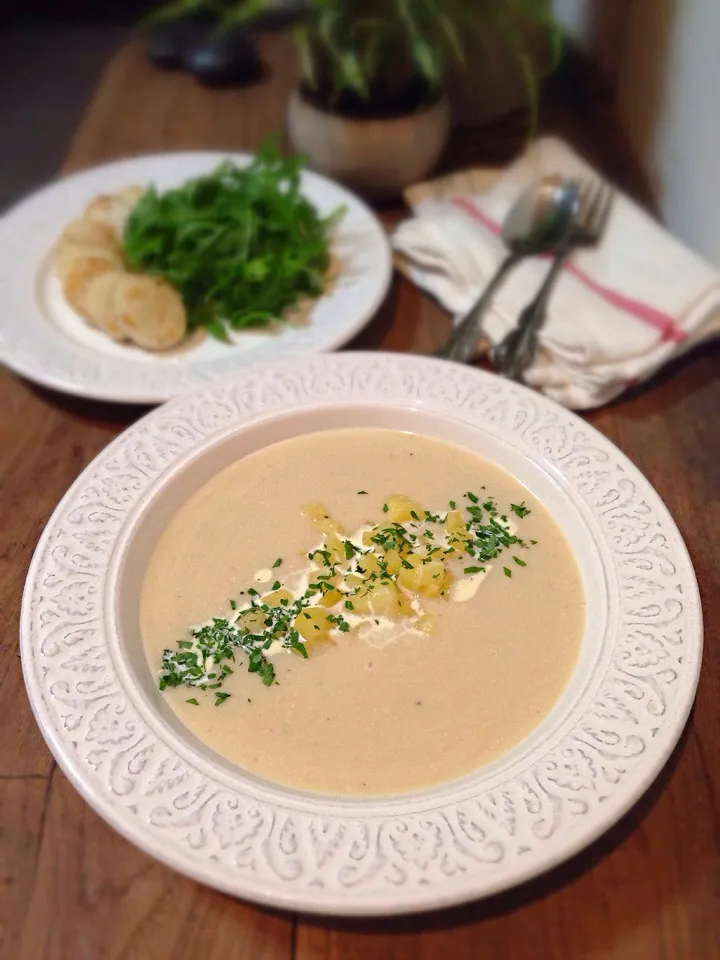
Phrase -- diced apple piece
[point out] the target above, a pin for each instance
(275, 599)
(331, 597)
(312, 622)
(334, 544)
(405, 607)
(422, 575)
(455, 526)
(320, 517)
(380, 599)
(315, 645)
(401, 508)
(368, 564)
(253, 621)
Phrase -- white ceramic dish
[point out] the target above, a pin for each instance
(43, 339)
(582, 768)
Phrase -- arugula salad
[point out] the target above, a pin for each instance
(241, 245)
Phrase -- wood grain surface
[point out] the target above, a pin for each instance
(72, 889)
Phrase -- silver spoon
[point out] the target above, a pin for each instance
(537, 223)
(516, 351)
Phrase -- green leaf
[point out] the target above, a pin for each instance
(241, 245)
(427, 60)
(449, 28)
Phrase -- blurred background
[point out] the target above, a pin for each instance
(656, 59)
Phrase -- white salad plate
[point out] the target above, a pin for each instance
(44, 339)
(582, 768)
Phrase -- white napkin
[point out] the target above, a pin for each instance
(618, 312)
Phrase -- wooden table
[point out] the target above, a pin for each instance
(71, 889)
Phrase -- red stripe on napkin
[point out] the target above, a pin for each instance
(665, 324)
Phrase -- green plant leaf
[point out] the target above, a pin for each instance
(301, 36)
(427, 60)
(449, 28)
(241, 12)
(357, 46)
(174, 10)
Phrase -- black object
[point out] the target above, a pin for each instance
(170, 41)
(224, 57)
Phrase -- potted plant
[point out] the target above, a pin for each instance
(372, 108)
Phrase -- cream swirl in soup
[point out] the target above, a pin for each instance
(361, 612)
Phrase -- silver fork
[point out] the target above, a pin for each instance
(516, 351)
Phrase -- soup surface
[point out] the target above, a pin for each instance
(396, 703)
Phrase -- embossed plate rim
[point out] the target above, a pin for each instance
(526, 420)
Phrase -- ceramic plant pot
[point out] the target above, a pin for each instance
(375, 157)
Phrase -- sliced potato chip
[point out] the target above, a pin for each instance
(150, 312)
(97, 304)
(69, 253)
(80, 275)
(112, 210)
(88, 232)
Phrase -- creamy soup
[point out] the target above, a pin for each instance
(434, 661)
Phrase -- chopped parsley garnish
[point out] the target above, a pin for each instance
(342, 571)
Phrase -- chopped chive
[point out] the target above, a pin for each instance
(385, 508)
(519, 562)
(220, 697)
(276, 585)
(507, 571)
(277, 563)
(473, 570)
(193, 701)
(233, 605)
